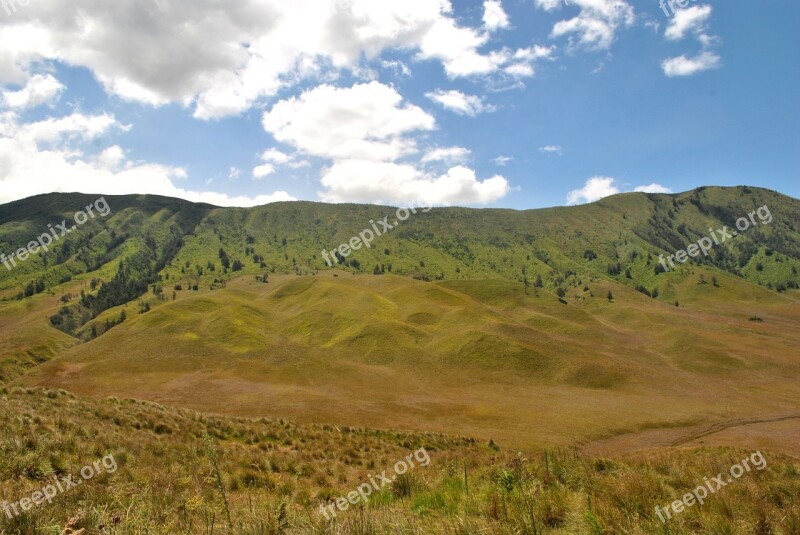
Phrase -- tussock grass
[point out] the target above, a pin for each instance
(185, 472)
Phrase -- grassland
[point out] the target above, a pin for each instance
(391, 352)
(275, 475)
(549, 332)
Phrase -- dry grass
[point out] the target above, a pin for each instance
(482, 356)
(275, 475)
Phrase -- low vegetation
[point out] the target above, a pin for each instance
(185, 472)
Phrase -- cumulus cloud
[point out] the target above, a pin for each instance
(275, 156)
(687, 66)
(494, 16)
(548, 5)
(75, 126)
(653, 188)
(51, 156)
(365, 121)
(599, 187)
(595, 189)
(365, 129)
(459, 102)
(446, 154)
(40, 89)
(263, 170)
(687, 21)
(397, 183)
(228, 56)
(596, 24)
(691, 21)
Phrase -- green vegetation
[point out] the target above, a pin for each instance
(553, 332)
(618, 238)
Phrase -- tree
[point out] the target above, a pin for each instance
(610, 296)
(560, 292)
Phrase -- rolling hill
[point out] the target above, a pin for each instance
(543, 327)
(596, 384)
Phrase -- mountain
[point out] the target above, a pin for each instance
(618, 238)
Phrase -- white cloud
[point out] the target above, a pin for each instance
(393, 183)
(263, 170)
(40, 89)
(653, 188)
(595, 25)
(234, 173)
(686, 66)
(274, 159)
(460, 103)
(397, 67)
(595, 189)
(494, 17)
(48, 156)
(689, 20)
(459, 51)
(229, 56)
(275, 156)
(71, 127)
(365, 121)
(110, 158)
(298, 164)
(365, 129)
(548, 5)
(502, 160)
(446, 154)
(552, 149)
(599, 187)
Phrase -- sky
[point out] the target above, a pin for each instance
(486, 103)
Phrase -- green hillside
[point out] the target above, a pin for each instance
(152, 244)
(552, 332)
(615, 238)
(486, 314)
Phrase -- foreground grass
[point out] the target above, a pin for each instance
(275, 475)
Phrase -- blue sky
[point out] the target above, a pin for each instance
(512, 103)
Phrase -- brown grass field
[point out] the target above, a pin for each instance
(483, 356)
